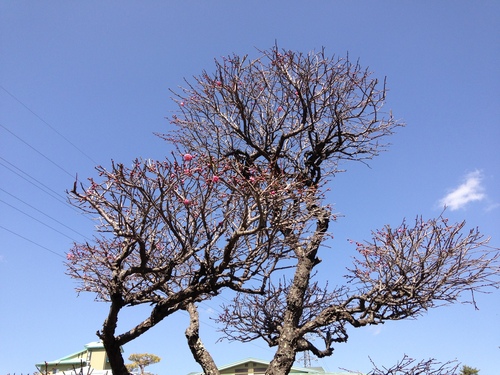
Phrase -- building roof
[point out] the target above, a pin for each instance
(294, 369)
(266, 363)
(72, 359)
(95, 345)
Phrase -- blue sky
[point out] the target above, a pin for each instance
(86, 82)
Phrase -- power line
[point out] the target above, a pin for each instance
(50, 126)
(34, 149)
(33, 242)
(43, 213)
(54, 194)
(51, 192)
(34, 218)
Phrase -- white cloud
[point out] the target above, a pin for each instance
(471, 190)
(492, 206)
(375, 330)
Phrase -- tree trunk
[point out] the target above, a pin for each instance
(287, 343)
(112, 346)
(289, 336)
(284, 357)
(113, 350)
(200, 354)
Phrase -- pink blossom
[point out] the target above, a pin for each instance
(280, 108)
(215, 178)
(188, 157)
(186, 202)
(182, 104)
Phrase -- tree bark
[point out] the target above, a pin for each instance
(112, 346)
(289, 336)
(288, 341)
(115, 358)
(200, 354)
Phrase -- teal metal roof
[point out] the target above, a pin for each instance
(95, 345)
(294, 370)
(69, 359)
(72, 359)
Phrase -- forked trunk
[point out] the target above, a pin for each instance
(113, 350)
(107, 335)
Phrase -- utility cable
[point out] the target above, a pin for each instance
(34, 149)
(33, 242)
(50, 126)
(41, 222)
(43, 213)
(50, 192)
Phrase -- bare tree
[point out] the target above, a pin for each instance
(409, 366)
(298, 117)
(173, 233)
(401, 273)
(259, 141)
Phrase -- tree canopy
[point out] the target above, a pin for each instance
(242, 204)
(141, 361)
(467, 370)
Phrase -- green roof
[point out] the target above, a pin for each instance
(95, 345)
(72, 359)
(294, 369)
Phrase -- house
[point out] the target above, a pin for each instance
(91, 359)
(253, 366)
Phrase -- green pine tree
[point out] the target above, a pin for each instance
(140, 361)
(466, 370)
